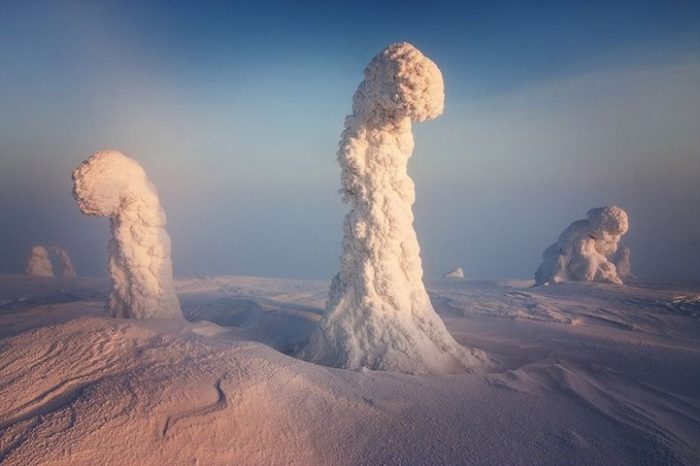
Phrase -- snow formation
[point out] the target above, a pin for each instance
(455, 273)
(111, 184)
(621, 259)
(38, 263)
(584, 250)
(67, 270)
(378, 314)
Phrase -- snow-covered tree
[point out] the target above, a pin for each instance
(584, 250)
(38, 263)
(378, 314)
(110, 184)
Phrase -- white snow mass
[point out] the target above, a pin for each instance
(67, 269)
(621, 259)
(584, 250)
(378, 314)
(110, 184)
(38, 263)
(454, 273)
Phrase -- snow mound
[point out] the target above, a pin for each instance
(111, 184)
(584, 250)
(38, 263)
(378, 315)
(455, 273)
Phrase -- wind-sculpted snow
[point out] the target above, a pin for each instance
(38, 263)
(67, 269)
(110, 184)
(617, 385)
(584, 250)
(378, 314)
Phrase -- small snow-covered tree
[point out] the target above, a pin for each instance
(110, 184)
(67, 270)
(584, 250)
(39, 263)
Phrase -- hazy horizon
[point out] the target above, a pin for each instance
(236, 111)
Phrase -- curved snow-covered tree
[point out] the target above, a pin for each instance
(111, 184)
(39, 263)
(584, 250)
(67, 270)
(378, 314)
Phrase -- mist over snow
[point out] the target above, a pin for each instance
(532, 132)
(111, 184)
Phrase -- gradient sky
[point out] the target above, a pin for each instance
(235, 111)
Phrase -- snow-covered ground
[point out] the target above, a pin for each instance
(582, 373)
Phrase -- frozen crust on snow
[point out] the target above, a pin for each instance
(111, 184)
(378, 314)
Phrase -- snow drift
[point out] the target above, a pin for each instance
(584, 250)
(455, 273)
(110, 184)
(38, 263)
(67, 269)
(378, 314)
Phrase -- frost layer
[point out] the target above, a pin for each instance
(38, 263)
(110, 184)
(455, 273)
(378, 314)
(584, 249)
(67, 270)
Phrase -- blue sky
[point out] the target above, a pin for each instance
(235, 111)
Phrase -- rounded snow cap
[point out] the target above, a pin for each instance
(610, 219)
(405, 82)
(104, 180)
(40, 251)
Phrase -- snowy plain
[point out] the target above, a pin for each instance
(581, 373)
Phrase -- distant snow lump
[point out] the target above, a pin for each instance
(110, 184)
(585, 249)
(378, 314)
(455, 273)
(39, 263)
(67, 269)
